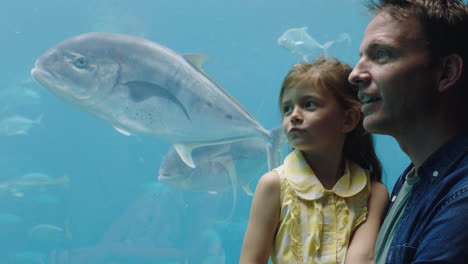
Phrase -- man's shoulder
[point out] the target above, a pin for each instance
(457, 183)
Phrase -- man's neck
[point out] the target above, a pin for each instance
(421, 141)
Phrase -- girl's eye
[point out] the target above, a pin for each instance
(286, 109)
(309, 104)
(80, 62)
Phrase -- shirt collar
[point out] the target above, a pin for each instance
(439, 163)
(307, 186)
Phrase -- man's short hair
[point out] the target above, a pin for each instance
(445, 29)
(444, 23)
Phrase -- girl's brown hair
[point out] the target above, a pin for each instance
(332, 73)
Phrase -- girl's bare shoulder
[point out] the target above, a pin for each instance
(270, 181)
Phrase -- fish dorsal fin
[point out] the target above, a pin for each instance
(122, 131)
(185, 153)
(196, 60)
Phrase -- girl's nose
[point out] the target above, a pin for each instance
(296, 117)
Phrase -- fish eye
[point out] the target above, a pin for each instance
(80, 62)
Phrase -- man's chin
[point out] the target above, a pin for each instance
(373, 125)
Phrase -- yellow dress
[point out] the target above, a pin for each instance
(315, 223)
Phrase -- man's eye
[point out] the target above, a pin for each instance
(382, 54)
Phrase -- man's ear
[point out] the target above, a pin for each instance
(452, 67)
(352, 117)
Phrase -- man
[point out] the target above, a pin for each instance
(412, 79)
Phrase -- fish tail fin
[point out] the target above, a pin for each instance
(327, 45)
(274, 148)
(247, 189)
(68, 234)
(344, 37)
(39, 118)
(64, 181)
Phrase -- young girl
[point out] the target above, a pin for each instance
(325, 203)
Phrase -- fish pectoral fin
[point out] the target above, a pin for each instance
(140, 91)
(185, 153)
(122, 131)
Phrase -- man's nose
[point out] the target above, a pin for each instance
(359, 76)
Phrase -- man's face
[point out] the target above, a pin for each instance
(396, 83)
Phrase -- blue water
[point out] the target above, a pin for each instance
(114, 210)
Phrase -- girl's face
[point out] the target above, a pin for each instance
(313, 119)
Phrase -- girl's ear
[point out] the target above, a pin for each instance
(351, 119)
(452, 67)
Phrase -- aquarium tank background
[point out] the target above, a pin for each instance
(75, 190)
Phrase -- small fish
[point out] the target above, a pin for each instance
(18, 186)
(26, 92)
(32, 257)
(17, 125)
(299, 42)
(10, 218)
(139, 86)
(47, 232)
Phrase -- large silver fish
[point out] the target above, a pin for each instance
(219, 167)
(142, 87)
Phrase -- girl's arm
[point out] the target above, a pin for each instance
(263, 221)
(361, 246)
